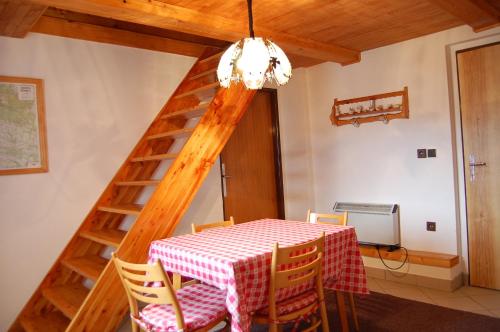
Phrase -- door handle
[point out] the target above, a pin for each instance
(472, 165)
(224, 177)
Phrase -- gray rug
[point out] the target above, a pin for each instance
(385, 313)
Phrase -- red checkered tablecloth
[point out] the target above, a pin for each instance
(238, 259)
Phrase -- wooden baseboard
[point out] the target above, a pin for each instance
(414, 256)
(414, 279)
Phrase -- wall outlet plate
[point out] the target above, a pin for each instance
(431, 226)
(431, 153)
(421, 153)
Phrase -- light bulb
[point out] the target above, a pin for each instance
(253, 63)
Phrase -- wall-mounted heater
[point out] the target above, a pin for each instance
(374, 223)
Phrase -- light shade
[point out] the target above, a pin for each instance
(253, 61)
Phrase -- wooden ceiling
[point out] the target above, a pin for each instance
(310, 31)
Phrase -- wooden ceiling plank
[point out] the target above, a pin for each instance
(139, 28)
(18, 17)
(102, 34)
(164, 15)
(479, 14)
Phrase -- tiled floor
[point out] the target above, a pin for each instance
(473, 299)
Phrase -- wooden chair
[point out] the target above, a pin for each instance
(203, 306)
(341, 220)
(200, 228)
(333, 219)
(290, 267)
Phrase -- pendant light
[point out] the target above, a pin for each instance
(253, 60)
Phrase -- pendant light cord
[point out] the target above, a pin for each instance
(250, 18)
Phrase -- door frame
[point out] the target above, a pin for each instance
(278, 169)
(457, 141)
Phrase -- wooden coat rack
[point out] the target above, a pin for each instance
(370, 109)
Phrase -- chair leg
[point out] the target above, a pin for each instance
(324, 315)
(353, 311)
(342, 313)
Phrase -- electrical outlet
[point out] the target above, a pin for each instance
(421, 153)
(431, 153)
(431, 226)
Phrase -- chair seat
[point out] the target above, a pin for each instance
(292, 304)
(200, 304)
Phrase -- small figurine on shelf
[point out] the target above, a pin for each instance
(372, 105)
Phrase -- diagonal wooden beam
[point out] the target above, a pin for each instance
(17, 17)
(167, 16)
(479, 14)
(102, 34)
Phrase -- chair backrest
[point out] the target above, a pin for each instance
(332, 219)
(293, 266)
(147, 283)
(200, 228)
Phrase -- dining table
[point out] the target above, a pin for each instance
(238, 259)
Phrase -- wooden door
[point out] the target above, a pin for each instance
(479, 83)
(251, 163)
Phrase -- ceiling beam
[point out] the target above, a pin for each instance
(78, 30)
(17, 17)
(166, 16)
(479, 14)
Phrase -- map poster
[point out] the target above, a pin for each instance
(23, 143)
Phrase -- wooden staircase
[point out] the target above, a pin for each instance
(82, 291)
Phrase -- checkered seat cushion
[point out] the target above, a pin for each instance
(200, 304)
(292, 304)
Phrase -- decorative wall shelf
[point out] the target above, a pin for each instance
(382, 107)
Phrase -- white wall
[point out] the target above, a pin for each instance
(296, 147)
(376, 162)
(99, 100)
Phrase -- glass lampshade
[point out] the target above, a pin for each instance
(253, 61)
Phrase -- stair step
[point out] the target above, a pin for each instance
(212, 57)
(204, 73)
(106, 236)
(156, 157)
(67, 298)
(52, 322)
(89, 266)
(202, 89)
(133, 209)
(138, 183)
(188, 113)
(172, 134)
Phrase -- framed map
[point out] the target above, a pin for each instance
(23, 143)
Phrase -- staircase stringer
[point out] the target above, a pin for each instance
(106, 304)
(37, 303)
